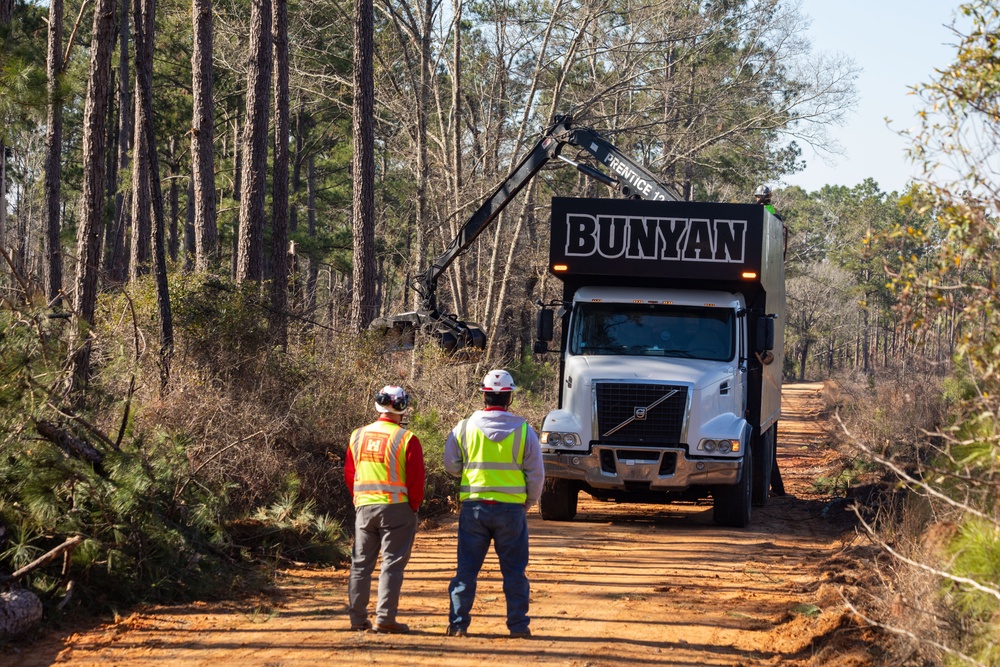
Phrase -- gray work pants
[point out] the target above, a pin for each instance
(391, 529)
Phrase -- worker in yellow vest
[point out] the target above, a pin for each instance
(499, 460)
(384, 471)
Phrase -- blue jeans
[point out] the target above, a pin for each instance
(506, 525)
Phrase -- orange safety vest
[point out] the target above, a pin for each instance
(379, 451)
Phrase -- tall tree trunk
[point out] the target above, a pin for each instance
(293, 209)
(313, 272)
(237, 186)
(279, 217)
(363, 305)
(173, 174)
(111, 187)
(116, 263)
(6, 14)
(203, 167)
(3, 196)
(190, 250)
(144, 12)
(296, 184)
(89, 236)
(250, 264)
(458, 286)
(141, 209)
(53, 153)
(423, 108)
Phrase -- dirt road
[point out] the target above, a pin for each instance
(622, 584)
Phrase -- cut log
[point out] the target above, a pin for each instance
(69, 443)
(20, 610)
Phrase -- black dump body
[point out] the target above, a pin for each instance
(637, 243)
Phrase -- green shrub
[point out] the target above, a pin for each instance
(440, 488)
(975, 555)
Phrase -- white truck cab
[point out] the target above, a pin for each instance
(661, 378)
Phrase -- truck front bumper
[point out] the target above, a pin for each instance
(666, 469)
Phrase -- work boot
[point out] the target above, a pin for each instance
(391, 627)
(455, 631)
(361, 627)
(520, 634)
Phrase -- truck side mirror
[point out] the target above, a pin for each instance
(540, 347)
(765, 333)
(545, 325)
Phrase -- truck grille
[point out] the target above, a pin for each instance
(618, 403)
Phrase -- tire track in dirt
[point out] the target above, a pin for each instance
(623, 583)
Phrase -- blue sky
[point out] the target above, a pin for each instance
(896, 44)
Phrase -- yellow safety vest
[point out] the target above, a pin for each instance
(492, 470)
(380, 463)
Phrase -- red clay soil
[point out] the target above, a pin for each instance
(622, 584)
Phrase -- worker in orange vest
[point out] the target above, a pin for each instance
(384, 472)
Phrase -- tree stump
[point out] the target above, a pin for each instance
(20, 610)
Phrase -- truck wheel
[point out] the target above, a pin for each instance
(558, 502)
(763, 462)
(732, 504)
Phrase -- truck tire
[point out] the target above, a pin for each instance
(732, 504)
(558, 502)
(763, 465)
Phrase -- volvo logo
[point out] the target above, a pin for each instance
(640, 413)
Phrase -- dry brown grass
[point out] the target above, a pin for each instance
(895, 415)
(261, 421)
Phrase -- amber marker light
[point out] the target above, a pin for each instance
(560, 267)
(749, 275)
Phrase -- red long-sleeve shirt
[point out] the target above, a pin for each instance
(414, 471)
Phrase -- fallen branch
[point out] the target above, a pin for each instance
(907, 633)
(972, 583)
(42, 560)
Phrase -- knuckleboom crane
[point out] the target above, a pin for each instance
(628, 177)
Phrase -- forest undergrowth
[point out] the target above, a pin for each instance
(202, 487)
(912, 471)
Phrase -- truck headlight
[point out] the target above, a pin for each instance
(721, 446)
(556, 439)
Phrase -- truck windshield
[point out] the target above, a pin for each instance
(686, 332)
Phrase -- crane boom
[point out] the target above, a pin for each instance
(628, 177)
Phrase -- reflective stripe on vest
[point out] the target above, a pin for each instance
(492, 470)
(379, 451)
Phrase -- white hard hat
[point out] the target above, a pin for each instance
(498, 381)
(763, 191)
(391, 399)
